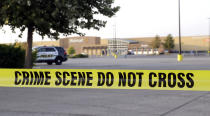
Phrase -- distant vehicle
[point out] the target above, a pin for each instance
(166, 51)
(130, 52)
(51, 54)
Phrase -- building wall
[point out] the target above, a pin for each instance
(76, 42)
(104, 41)
(193, 43)
(96, 50)
(134, 46)
(188, 42)
(120, 46)
(79, 42)
(46, 43)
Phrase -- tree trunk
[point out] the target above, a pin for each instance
(28, 56)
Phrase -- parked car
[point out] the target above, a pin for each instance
(51, 54)
(130, 52)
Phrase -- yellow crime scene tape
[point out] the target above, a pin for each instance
(195, 80)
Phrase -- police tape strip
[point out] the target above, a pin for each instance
(197, 80)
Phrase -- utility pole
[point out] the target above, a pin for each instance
(115, 38)
(209, 38)
(179, 57)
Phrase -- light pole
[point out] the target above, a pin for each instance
(209, 38)
(179, 57)
(115, 39)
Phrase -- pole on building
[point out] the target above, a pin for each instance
(115, 39)
(179, 57)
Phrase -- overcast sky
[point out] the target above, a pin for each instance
(146, 18)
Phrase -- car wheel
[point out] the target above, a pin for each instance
(49, 63)
(58, 61)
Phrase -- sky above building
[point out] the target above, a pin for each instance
(144, 18)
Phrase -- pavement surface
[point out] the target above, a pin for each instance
(110, 102)
(101, 102)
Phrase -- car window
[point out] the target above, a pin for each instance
(50, 50)
(42, 50)
(46, 50)
(60, 49)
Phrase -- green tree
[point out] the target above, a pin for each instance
(71, 51)
(169, 43)
(53, 17)
(156, 42)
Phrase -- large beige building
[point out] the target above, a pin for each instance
(79, 42)
(98, 46)
(84, 44)
(198, 43)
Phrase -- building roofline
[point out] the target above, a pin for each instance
(80, 37)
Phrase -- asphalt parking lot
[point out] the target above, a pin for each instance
(110, 102)
(165, 62)
(102, 102)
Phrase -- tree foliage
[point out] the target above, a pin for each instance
(51, 17)
(156, 42)
(54, 17)
(71, 51)
(169, 43)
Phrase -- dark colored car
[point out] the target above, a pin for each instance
(51, 54)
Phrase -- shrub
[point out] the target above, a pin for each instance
(71, 51)
(11, 56)
(169, 43)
